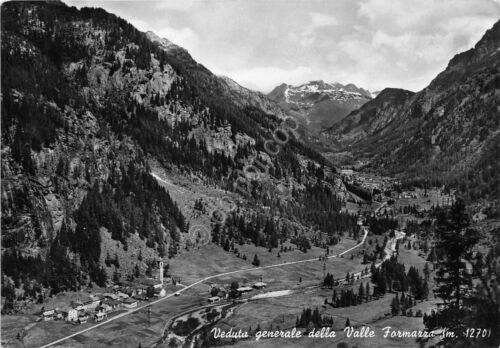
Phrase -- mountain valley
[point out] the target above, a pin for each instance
(157, 201)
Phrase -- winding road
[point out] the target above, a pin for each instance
(187, 287)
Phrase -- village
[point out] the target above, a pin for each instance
(129, 295)
(119, 297)
(381, 196)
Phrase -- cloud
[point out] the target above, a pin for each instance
(322, 20)
(372, 43)
(406, 44)
(176, 5)
(424, 16)
(317, 21)
(185, 37)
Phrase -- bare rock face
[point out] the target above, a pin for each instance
(37, 205)
(165, 43)
(97, 104)
(252, 98)
(56, 211)
(160, 82)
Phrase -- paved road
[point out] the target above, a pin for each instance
(119, 316)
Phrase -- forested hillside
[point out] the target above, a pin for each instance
(89, 103)
(446, 134)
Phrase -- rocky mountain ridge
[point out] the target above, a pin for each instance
(447, 130)
(102, 125)
(319, 104)
(370, 118)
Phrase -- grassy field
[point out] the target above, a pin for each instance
(410, 257)
(281, 313)
(124, 332)
(209, 260)
(132, 330)
(191, 266)
(206, 261)
(13, 325)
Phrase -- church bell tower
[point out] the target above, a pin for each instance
(160, 266)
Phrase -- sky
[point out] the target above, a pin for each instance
(263, 43)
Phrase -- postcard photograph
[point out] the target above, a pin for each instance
(250, 173)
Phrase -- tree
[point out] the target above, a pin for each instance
(334, 297)
(116, 277)
(425, 290)
(214, 291)
(256, 261)
(460, 307)
(432, 256)
(150, 291)
(365, 259)
(426, 271)
(347, 323)
(233, 292)
(395, 305)
(361, 292)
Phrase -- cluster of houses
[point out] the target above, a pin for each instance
(407, 195)
(246, 288)
(367, 183)
(99, 306)
(241, 290)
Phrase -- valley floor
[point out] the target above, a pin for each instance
(200, 268)
(137, 328)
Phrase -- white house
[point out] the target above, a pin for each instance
(92, 304)
(100, 316)
(48, 314)
(78, 305)
(129, 303)
(111, 296)
(111, 304)
(122, 295)
(243, 289)
(160, 292)
(259, 285)
(104, 308)
(82, 319)
(69, 314)
(214, 299)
